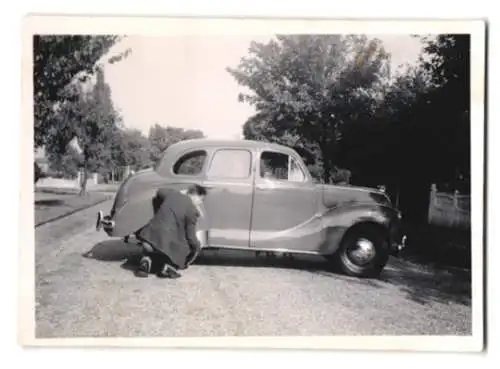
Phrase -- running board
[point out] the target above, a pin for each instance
(131, 239)
(263, 250)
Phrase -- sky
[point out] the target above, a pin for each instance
(182, 81)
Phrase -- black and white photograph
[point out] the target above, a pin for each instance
(253, 183)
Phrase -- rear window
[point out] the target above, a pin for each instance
(191, 163)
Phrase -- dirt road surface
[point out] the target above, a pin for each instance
(230, 294)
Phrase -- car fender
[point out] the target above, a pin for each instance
(133, 204)
(337, 221)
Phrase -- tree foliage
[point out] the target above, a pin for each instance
(449, 104)
(334, 97)
(421, 130)
(91, 117)
(160, 138)
(306, 88)
(135, 149)
(59, 61)
(64, 68)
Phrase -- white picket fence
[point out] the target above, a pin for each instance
(450, 210)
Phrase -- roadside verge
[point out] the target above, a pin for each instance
(54, 204)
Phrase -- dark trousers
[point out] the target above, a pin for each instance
(158, 258)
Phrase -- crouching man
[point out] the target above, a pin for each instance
(169, 239)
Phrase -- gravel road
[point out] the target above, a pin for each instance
(228, 293)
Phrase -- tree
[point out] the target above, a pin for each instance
(60, 60)
(372, 148)
(435, 123)
(424, 117)
(91, 117)
(449, 105)
(65, 165)
(306, 88)
(160, 138)
(334, 97)
(135, 149)
(420, 133)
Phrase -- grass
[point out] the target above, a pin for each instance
(104, 187)
(51, 204)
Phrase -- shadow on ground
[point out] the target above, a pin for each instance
(423, 285)
(419, 283)
(116, 251)
(49, 202)
(56, 190)
(113, 250)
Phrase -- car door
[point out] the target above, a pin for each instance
(285, 205)
(229, 200)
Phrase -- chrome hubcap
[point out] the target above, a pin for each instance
(362, 252)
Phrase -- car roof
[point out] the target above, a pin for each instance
(244, 144)
(173, 151)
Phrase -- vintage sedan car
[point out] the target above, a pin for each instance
(262, 198)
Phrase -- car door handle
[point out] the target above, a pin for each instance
(207, 186)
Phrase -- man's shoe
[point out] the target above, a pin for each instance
(168, 272)
(144, 268)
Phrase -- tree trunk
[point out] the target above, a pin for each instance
(327, 171)
(83, 184)
(327, 167)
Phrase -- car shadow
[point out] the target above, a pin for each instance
(417, 282)
(421, 283)
(234, 258)
(424, 284)
(113, 250)
(49, 202)
(129, 253)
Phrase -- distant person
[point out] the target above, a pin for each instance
(169, 239)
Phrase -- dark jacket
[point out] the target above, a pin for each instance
(172, 230)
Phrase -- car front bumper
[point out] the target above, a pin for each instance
(397, 246)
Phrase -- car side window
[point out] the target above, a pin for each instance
(190, 163)
(230, 164)
(279, 166)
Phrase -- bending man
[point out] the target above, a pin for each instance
(169, 238)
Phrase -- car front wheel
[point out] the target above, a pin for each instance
(363, 252)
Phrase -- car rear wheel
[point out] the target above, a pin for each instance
(363, 252)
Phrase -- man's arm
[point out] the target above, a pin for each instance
(158, 199)
(193, 242)
(190, 223)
